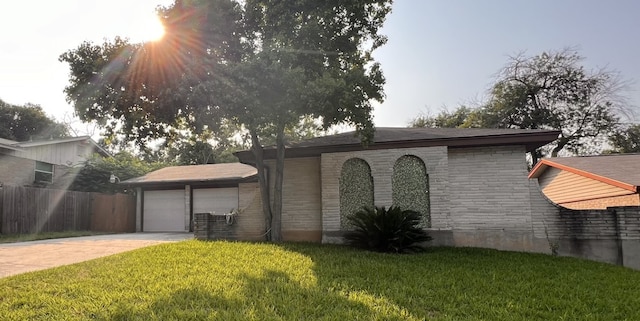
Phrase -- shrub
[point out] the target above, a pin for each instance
(393, 230)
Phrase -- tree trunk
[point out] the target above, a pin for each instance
(276, 221)
(258, 152)
(562, 142)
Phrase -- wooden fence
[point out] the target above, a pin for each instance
(25, 210)
(113, 213)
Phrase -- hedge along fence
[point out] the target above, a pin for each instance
(27, 210)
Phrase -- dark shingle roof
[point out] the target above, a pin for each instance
(196, 173)
(622, 168)
(399, 137)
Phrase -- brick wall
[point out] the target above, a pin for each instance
(489, 188)
(251, 223)
(216, 227)
(301, 205)
(602, 203)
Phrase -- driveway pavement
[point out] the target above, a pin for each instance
(16, 258)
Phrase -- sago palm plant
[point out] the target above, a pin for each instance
(386, 230)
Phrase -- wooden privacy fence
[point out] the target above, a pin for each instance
(26, 210)
(113, 213)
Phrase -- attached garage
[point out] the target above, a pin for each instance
(169, 197)
(164, 211)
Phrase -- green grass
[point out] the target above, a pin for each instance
(12, 238)
(194, 280)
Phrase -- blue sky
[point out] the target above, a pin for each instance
(441, 53)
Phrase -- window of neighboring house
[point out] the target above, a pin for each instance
(44, 172)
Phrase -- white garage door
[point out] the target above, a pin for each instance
(164, 211)
(215, 200)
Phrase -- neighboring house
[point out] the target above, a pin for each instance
(593, 182)
(471, 184)
(169, 197)
(45, 162)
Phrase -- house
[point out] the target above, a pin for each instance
(592, 182)
(169, 197)
(45, 162)
(471, 184)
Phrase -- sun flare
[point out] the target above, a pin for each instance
(146, 28)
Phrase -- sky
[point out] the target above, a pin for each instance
(440, 53)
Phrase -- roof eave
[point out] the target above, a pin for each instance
(530, 140)
(244, 179)
(542, 165)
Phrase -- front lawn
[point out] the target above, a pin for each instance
(194, 280)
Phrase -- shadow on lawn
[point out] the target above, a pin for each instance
(273, 296)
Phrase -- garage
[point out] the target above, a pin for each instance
(215, 200)
(164, 211)
(169, 197)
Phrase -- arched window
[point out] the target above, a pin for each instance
(356, 188)
(410, 185)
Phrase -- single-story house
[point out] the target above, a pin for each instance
(590, 182)
(470, 184)
(44, 162)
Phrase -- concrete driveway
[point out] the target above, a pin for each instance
(16, 258)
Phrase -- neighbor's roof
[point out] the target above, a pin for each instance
(87, 139)
(197, 173)
(621, 170)
(390, 137)
(9, 144)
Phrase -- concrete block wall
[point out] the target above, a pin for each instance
(381, 163)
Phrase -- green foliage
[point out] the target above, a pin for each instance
(552, 91)
(261, 64)
(195, 280)
(626, 140)
(23, 123)
(356, 188)
(410, 185)
(445, 119)
(93, 174)
(393, 230)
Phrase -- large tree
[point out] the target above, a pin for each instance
(264, 65)
(93, 174)
(27, 122)
(626, 139)
(552, 90)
